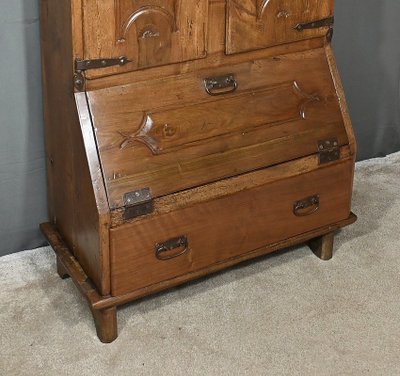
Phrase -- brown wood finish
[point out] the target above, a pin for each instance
(323, 246)
(186, 137)
(233, 176)
(61, 269)
(147, 32)
(99, 303)
(255, 24)
(227, 187)
(227, 226)
(81, 217)
(105, 321)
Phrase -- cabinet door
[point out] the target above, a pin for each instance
(147, 32)
(255, 24)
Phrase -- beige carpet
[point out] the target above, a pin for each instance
(285, 314)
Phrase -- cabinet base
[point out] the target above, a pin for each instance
(104, 308)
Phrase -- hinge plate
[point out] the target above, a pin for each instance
(138, 203)
(82, 65)
(329, 21)
(329, 150)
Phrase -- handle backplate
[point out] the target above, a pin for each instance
(307, 206)
(220, 85)
(163, 251)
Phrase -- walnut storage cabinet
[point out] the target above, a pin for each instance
(185, 136)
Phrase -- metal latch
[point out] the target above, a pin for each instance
(138, 203)
(329, 150)
(82, 65)
(329, 21)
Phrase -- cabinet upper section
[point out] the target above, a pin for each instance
(147, 32)
(151, 33)
(255, 24)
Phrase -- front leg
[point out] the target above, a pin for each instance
(322, 246)
(106, 324)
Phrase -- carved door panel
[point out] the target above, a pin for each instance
(255, 24)
(147, 32)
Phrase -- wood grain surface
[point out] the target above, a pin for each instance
(185, 137)
(254, 24)
(228, 226)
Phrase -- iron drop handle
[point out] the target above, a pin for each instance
(220, 85)
(306, 206)
(163, 250)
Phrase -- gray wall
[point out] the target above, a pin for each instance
(367, 46)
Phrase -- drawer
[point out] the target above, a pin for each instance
(256, 24)
(184, 131)
(164, 246)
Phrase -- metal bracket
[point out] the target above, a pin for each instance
(79, 81)
(138, 203)
(329, 21)
(329, 150)
(82, 65)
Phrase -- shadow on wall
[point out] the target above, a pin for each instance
(367, 46)
(22, 167)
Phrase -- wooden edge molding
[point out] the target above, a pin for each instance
(70, 264)
(98, 302)
(341, 97)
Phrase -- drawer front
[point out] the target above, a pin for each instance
(165, 246)
(147, 32)
(180, 132)
(255, 24)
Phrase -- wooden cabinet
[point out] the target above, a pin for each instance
(254, 24)
(147, 32)
(186, 136)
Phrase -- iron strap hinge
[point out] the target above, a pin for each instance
(82, 65)
(325, 22)
(329, 21)
(138, 203)
(329, 150)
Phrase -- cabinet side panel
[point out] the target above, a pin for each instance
(72, 203)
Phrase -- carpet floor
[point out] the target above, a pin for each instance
(284, 314)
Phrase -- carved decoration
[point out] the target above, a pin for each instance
(143, 136)
(162, 137)
(124, 25)
(262, 7)
(308, 98)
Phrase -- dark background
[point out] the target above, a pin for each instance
(367, 47)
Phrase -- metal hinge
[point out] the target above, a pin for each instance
(138, 203)
(325, 22)
(329, 150)
(83, 65)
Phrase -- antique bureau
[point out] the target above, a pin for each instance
(185, 136)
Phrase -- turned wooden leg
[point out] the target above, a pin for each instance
(322, 246)
(61, 270)
(106, 324)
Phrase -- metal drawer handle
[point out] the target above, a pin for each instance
(306, 206)
(162, 249)
(220, 85)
